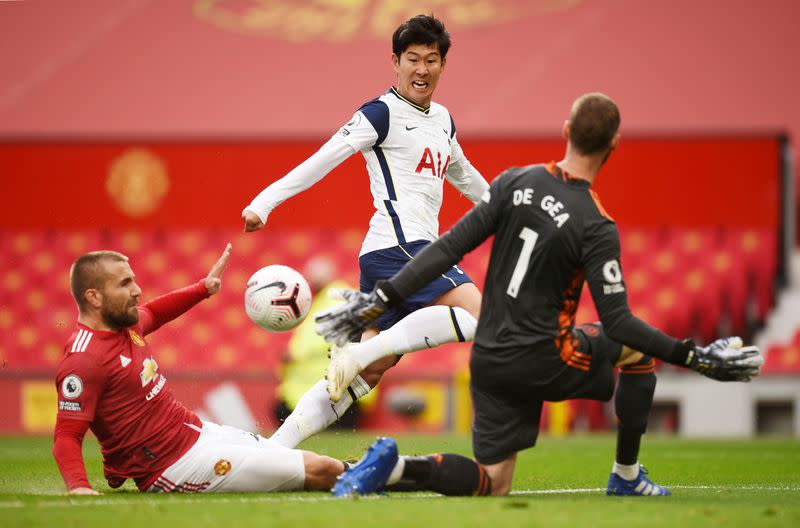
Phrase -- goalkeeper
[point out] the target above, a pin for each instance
(551, 234)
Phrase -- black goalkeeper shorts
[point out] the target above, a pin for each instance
(508, 407)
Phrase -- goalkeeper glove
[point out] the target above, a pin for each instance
(725, 359)
(346, 322)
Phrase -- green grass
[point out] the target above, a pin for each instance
(714, 483)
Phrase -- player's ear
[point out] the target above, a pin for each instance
(396, 63)
(93, 297)
(565, 130)
(615, 141)
(444, 61)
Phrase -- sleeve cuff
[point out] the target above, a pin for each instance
(261, 216)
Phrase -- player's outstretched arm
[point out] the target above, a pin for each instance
(163, 309)
(302, 177)
(724, 360)
(213, 281)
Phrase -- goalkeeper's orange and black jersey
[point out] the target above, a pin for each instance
(551, 235)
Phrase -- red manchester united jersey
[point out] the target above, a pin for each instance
(113, 381)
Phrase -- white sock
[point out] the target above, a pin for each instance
(314, 413)
(626, 472)
(427, 327)
(397, 472)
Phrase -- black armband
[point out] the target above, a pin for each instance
(387, 294)
(682, 353)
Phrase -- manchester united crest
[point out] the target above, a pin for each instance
(222, 468)
(136, 338)
(137, 182)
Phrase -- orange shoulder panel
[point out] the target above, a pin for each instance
(599, 205)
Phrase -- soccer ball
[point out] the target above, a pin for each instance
(277, 298)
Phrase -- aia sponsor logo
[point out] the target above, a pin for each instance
(436, 166)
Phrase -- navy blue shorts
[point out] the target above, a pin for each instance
(384, 263)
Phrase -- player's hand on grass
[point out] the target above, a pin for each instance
(83, 491)
(726, 359)
(251, 221)
(214, 279)
(346, 322)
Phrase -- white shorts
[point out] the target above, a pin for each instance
(225, 458)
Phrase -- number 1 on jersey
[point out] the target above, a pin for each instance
(529, 238)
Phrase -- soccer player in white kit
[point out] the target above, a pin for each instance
(410, 145)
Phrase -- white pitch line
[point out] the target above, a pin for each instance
(280, 498)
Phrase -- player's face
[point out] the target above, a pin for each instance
(120, 296)
(418, 69)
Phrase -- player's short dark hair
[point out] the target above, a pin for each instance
(86, 273)
(593, 123)
(421, 29)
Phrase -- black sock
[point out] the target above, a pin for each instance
(448, 474)
(632, 401)
(628, 446)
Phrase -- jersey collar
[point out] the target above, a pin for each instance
(422, 109)
(566, 177)
(102, 333)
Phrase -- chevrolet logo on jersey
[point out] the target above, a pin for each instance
(149, 371)
(136, 338)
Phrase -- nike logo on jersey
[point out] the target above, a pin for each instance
(427, 342)
(410, 127)
(124, 360)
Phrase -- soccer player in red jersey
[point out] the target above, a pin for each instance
(109, 381)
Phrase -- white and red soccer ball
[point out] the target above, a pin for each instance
(277, 298)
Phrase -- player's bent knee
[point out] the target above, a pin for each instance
(374, 371)
(466, 296)
(321, 471)
(629, 356)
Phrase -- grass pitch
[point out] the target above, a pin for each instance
(561, 482)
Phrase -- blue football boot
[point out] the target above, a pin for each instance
(369, 474)
(640, 486)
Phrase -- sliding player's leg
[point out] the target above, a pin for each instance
(227, 459)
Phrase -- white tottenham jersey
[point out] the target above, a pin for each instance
(409, 151)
